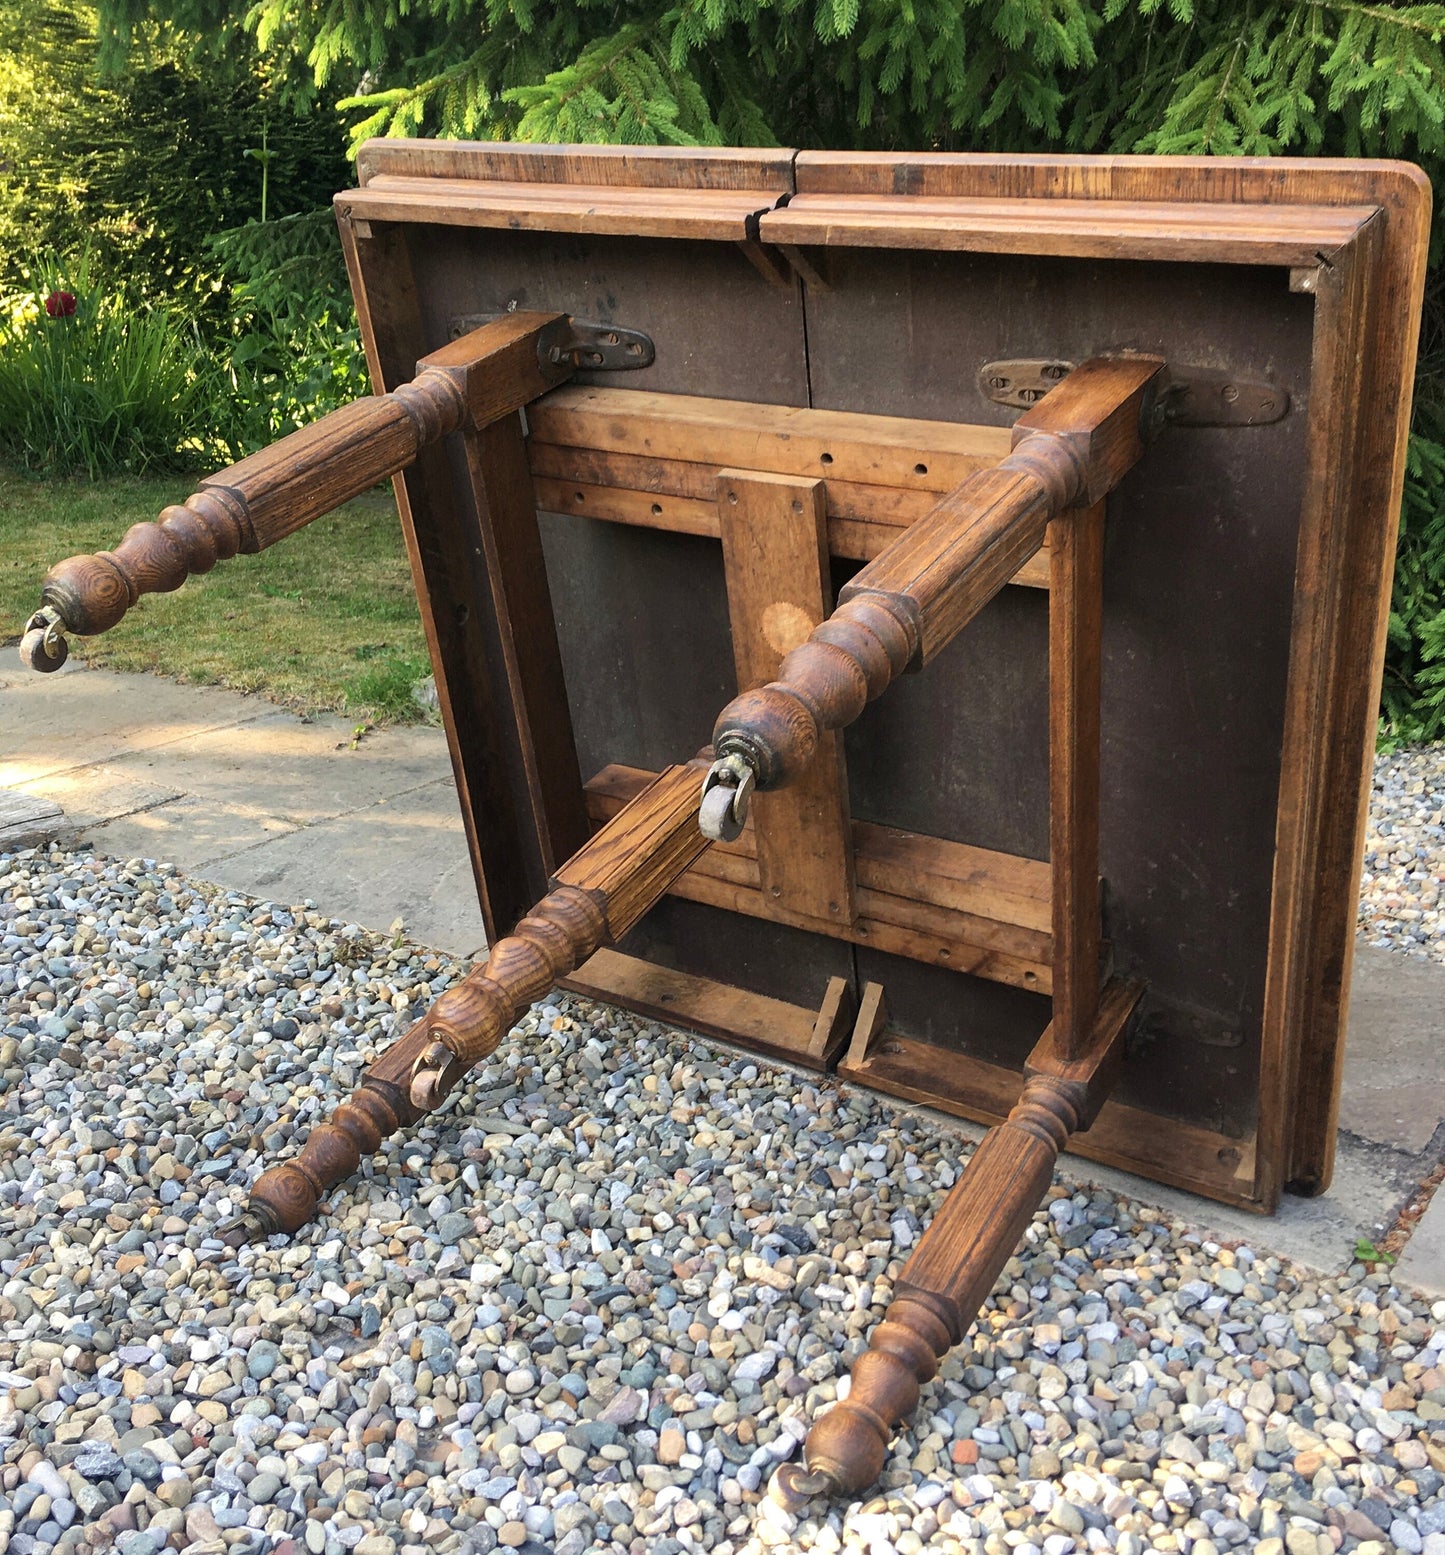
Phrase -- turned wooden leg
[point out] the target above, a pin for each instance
(285, 1197)
(270, 494)
(942, 1287)
(960, 1256)
(417, 1073)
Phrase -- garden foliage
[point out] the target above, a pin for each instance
(293, 350)
(1226, 77)
(202, 332)
(1221, 76)
(92, 382)
(143, 169)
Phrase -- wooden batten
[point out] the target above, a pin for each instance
(1238, 234)
(631, 191)
(652, 460)
(611, 167)
(1184, 1155)
(945, 903)
(1076, 613)
(751, 1020)
(775, 556)
(725, 215)
(827, 444)
(442, 539)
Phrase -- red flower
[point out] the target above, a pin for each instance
(60, 305)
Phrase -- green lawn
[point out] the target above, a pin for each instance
(326, 620)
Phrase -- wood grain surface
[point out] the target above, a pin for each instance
(1076, 618)
(775, 559)
(443, 540)
(944, 902)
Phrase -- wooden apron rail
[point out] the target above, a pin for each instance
(653, 461)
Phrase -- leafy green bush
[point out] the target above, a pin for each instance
(157, 174)
(144, 166)
(91, 384)
(292, 350)
(273, 380)
(1412, 702)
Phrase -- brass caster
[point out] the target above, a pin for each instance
(433, 1075)
(43, 648)
(726, 792)
(253, 1224)
(794, 1486)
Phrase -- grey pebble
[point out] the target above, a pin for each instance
(451, 1228)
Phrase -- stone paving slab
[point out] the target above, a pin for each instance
(1422, 1264)
(216, 782)
(1394, 1083)
(404, 857)
(92, 796)
(79, 717)
(26, 820)
(1368, 1189)
(298, 772)
(193, 834)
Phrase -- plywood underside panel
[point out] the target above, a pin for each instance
(1200, 575)
(1199, 570)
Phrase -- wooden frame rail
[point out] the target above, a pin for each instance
(956, 906)
(652, 460)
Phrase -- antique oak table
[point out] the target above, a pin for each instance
(1030, 520)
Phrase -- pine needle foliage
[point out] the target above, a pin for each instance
(140, 170)
(1220, 77)
(1228, 77)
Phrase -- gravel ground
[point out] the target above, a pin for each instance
(1400, 904)
(594, 1305)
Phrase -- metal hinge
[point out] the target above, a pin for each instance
(578, 342)
(1190, 396)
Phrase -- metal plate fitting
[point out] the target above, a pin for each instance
(578, 343)
(1189, 396)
